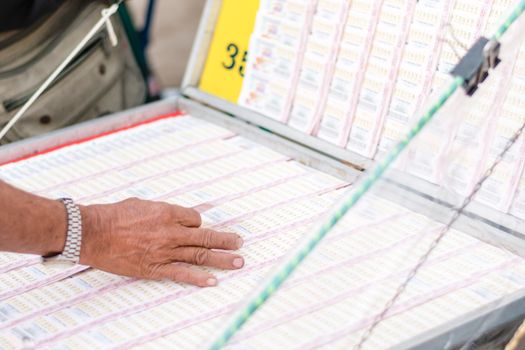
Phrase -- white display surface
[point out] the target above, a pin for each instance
(271, 201)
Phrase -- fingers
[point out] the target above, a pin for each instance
(184, 274)
(207, 238)
(186, 216)
(207, 257)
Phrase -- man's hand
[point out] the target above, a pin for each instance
(154, 240)
(134, 238)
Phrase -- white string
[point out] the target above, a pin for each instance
(105, 20)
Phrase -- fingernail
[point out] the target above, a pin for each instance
(211, 282)
(238, 262)
(240, 242)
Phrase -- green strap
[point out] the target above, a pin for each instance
(136, 47)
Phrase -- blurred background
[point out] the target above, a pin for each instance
(173, 30)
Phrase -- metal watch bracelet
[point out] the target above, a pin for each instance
(73, 243)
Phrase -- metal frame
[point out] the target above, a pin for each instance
(343, 155)
(83, 130)
(458, 332)
(418, 195)
(450, 335)
(202, 43)
(265, 137)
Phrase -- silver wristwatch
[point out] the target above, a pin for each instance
(71, 250)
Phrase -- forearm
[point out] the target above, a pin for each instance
(30, 224)
(134, 237)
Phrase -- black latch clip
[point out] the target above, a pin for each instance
(475, 65)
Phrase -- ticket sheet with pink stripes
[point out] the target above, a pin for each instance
(358, 74)
(269, 199)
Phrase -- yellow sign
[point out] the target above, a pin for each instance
(224, 69)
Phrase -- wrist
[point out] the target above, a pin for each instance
(55, 234)
(91, 223)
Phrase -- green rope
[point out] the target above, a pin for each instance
(367, 183)
(518, 11)
(363, 188)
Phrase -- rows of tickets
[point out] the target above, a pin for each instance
(271, 201)
(358, 73)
